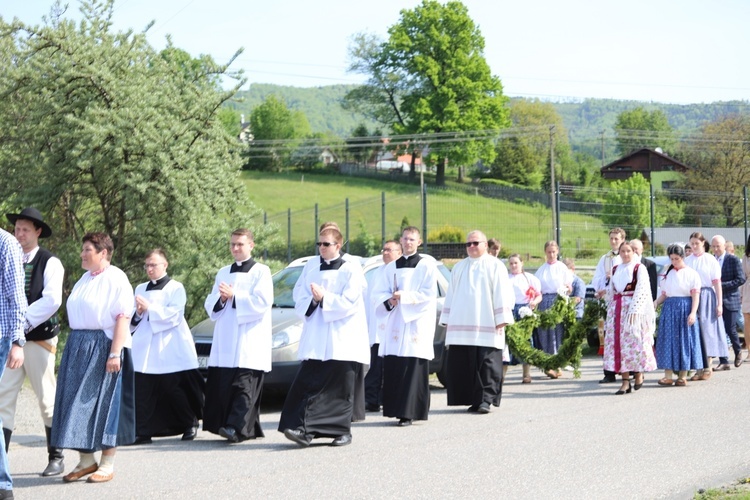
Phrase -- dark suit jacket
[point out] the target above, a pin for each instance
(651, 269)
(732, 278)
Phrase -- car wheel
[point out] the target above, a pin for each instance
(442, 374)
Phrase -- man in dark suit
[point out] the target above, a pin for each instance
(650, 265)
(732, 278)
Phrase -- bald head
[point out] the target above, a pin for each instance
(637, 246)
(718, 245)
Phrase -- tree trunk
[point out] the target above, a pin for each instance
(440, 174)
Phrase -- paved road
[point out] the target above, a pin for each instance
(567, 438)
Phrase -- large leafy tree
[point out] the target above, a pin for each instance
(104, 133)
(719, 157)
(639, 128)
(628, 204)
(430, 79)
(277, 131)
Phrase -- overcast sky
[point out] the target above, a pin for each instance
(679, 51)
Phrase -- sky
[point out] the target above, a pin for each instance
(674, 51)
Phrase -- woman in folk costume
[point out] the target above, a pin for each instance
(168, 386)
(713, 336)
(94, 402)
(554, 277)
(678, 346)
(329, 299)
(528, 292)
(629, 337)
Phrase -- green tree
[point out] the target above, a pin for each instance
(719, 157)
(104, 133)
(276, 131)
(431, 80)
(639, 128)
(628, 205)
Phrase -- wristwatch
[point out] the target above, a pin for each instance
(20, 342)
(113, 355)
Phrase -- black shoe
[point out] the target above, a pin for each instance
(141, 440)
(190, 434)
(341, 440)
(473, 408)
(484, 408)
(404, 422)
(608, 380)
(623, 391)
(229, 434)
(303, 439)
(5, 494)
(372, 407)
(54, 467)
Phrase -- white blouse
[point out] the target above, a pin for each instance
(623, 275)
(679, 283)
(96, 302)
(524, 284)
(707, 267)
(554, 276)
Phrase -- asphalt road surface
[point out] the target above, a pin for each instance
(565, 438)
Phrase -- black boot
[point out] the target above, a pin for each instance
(7, 433)
(55, 465)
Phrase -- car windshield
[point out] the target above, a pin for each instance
(283, 286)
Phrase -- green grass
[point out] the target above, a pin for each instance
(520, 227)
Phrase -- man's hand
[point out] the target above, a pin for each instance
(141, 305)
(317, 291)
(225, 292)
(15, 357)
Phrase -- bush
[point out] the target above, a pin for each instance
(446, 234)
(585, 253)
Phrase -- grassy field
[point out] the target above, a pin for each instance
(521, 228)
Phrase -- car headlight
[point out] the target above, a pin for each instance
(287, 336)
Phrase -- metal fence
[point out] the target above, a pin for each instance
(522, 220)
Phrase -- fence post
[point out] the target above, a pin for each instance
(382, 219)
(557, 216)
(347, 224)
(289, 235)
(653, 218)
(424, 216)
(265, 223)
(744, 200)
(316, 229)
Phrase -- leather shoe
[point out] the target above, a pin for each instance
(300, 437)
(608, 380)
(372, 407)
(78, 474)
(141, 440)
(100, 477)
(473, 408)
(484, 408)
(342, 440)
(190, 434)
(229, 434)
(404, 422)
(738, 359)
(722, 368)
(54, 467)
(5, 494)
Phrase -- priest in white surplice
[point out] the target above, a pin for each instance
(407, 290)
(168, 386)
(478, 306)
(329, 299)
(240, 303)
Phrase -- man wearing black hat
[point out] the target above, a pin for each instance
(44, 275)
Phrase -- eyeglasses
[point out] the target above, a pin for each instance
(325, 244)
(388, 250)
(473, 243)
(150, 266)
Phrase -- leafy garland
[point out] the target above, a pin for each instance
(569, 353)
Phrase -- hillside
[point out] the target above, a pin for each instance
(584, 120)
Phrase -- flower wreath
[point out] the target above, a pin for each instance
(562, 311)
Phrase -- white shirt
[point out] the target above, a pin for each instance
(680, 283)
(43, 309)
(604, 270)
(707, 268)
(554, 276)
(522, 283)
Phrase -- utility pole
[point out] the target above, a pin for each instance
(553, 203)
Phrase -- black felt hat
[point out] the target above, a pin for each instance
(35, 216)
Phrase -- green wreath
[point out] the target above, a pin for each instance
(569, 353)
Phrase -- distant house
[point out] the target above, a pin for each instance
(662, 170)
(246, 136)
(328, 157)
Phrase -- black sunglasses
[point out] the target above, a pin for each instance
(473, 243)
(325, 244)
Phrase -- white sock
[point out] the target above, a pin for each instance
(107, 464)
(85, 460)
